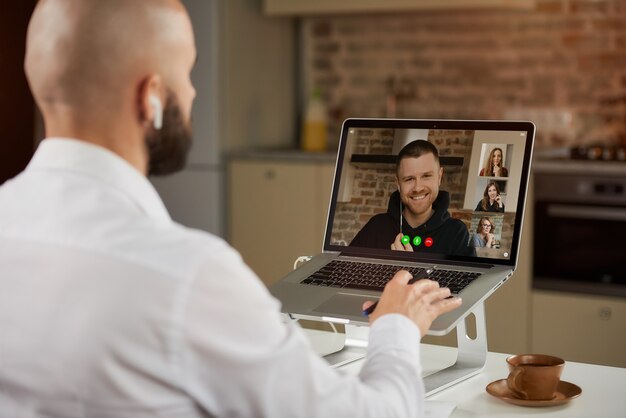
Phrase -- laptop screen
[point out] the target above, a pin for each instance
(426, 189)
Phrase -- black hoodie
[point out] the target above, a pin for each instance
(449, 236)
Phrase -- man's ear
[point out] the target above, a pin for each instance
(150, 101)
(440, 174)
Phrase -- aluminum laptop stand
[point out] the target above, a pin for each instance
(471, 354)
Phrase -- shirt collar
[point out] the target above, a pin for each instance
(91, 160)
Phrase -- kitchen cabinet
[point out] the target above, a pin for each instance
(278, 211)
(304, 7)
(583, 328)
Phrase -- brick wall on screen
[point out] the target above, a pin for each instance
(565, 58)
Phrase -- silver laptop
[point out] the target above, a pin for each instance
(473, 206)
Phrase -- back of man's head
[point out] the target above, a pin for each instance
(85, 52)
(416, 149)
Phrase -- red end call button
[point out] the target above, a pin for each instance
(428, 242)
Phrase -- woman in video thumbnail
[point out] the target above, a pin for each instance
(491, 201)
(484, 236)
(493, 165)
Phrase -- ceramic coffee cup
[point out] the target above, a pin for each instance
(534, 376)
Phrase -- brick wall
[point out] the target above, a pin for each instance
(562, 65)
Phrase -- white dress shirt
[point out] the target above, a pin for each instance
(108, 308)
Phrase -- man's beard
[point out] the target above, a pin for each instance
(169, 146)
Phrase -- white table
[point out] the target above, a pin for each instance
(603, 388)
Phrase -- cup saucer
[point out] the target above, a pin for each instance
(564, 393)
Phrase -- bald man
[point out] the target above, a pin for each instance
(110, 309)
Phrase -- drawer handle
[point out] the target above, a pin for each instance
(605, 313)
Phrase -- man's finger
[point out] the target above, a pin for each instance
(435, 295)
(424, 285)
(401, 277)
(447, 305)
(397, 243)
(408, 247)
(367, 304)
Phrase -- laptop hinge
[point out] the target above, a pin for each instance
(416, 260)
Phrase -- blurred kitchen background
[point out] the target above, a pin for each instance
(559, 63)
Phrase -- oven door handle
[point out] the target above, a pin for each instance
(586, 212)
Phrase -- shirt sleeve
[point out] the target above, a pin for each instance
(237, 357)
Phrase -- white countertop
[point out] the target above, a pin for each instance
(602, 387)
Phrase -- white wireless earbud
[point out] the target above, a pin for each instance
(155, 102)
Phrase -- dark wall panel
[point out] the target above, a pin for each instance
(16, 103)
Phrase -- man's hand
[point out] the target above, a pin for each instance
(422, 302)
(399, 246)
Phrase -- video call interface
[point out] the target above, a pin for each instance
(473, 209)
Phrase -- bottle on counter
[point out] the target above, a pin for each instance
(315, 124)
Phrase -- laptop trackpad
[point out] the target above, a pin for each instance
(344, 304)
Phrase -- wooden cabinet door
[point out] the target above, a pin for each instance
(275, 213)
(584, 328)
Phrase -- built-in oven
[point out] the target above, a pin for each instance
(580, 227)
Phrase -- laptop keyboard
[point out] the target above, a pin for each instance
(367, 276)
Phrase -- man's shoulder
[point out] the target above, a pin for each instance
(378, 223)
(172, 248)
(378, 230)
